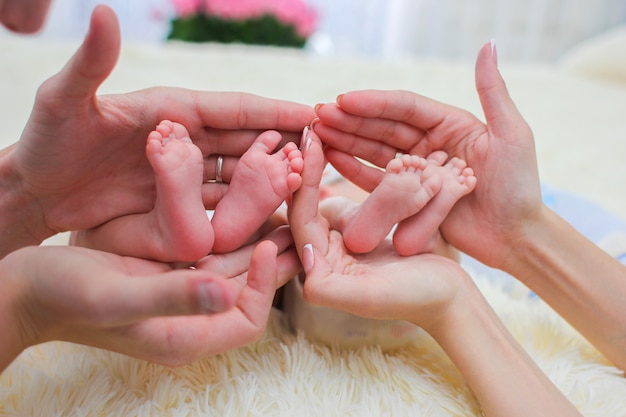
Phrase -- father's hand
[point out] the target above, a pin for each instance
(81, 158)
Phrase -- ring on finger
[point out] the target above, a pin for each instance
(218, 169)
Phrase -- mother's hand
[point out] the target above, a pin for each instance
(380, 284)
(374, 125)
(428, 290)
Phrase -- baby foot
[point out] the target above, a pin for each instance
(420, 232)
(261, 182)
(404, 190)
(179, 216)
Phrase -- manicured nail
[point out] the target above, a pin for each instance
(308, 258)
(494, 51)
(305, 132)
(210, 298)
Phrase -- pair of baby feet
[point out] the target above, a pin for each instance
(262, 180)
(415, 195)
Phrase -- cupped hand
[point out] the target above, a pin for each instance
(375, 125)
(143, 308)
(380, 284)
(81, 158)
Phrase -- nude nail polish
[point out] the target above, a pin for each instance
(308, 258)
(494, 51)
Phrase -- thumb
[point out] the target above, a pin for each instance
(94, 60)
(305, 220)
(502, 116)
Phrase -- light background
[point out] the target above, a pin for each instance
(525, 30)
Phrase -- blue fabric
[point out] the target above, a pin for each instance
(587, 217)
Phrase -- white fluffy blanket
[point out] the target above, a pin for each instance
(580, 129)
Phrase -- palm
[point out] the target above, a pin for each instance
(143, 308)
(100, 160)
(489, 214)
(367, 285)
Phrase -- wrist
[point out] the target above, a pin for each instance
(526, 244)
(21, 219)
(580, 281)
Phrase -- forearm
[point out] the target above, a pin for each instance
(503, 377)
(584, 284)
(21, 222)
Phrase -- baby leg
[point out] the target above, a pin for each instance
(420, 232)
(404, 190)
(179, 219)
(261, 182)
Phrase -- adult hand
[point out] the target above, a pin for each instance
(428, 290)
(380, 284)
(374, 125)
(81, 158)
(25, 16)
(138, 307)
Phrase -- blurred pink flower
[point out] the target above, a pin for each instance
(186, 8)
(291, 12)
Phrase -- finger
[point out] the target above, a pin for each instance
(307, 225)
(399, 106)
(229, 110)
(288, 262)
(375, 150)
(175, 293)
(234, 142)
(24, 16)
(263, 271)
(94, 60)
(255, 302)
(381, 132)
(288, 266)
(212, 193)
(237, 262)
(503, 117)
(364, 176)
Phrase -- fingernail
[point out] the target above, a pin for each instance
(313, 123)
(318, 106)
(210, 298)
(339, 97)
(494, 51)
(308, 258)
(305, 132)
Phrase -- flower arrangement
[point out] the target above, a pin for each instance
(262, 22)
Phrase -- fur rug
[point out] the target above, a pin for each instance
(285, 375)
